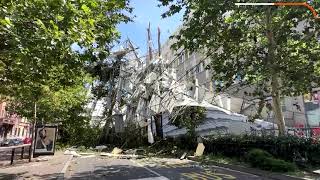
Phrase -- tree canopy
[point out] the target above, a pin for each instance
(275, 49)
(189, 117)
(45, 45)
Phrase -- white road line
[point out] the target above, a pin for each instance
(228, 169)
(153, 172)
(153, 178)
(64, 169)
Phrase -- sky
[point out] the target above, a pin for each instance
(147, 11)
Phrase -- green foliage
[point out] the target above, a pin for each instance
(44, 45)
(131, 137)
(264, 160)
(189, 117)
(219, 159)
(256, 46)
(241, 34)
(76, 131)
(289, 148)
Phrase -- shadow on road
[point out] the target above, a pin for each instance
(24, 175)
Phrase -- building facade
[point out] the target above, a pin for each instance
(11, 125)
(190, 66)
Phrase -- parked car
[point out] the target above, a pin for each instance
(27, 140)
(12, 142)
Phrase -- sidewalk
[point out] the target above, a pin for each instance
(50, 169)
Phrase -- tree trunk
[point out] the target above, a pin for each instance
(276, 102)
(158, 123)
(271, 59)
(106, 128)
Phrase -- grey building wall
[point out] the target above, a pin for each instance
(192, 65)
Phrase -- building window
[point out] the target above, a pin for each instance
(15, 131)
(197, 69)
(201, 66)
(176, 63)
(186, 55)
(22, 131)
(181, 58)
(18, 131)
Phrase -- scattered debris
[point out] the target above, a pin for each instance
(116, 151)
(200, 149)
(159, 152)
(135, 151)
(90, 156)
(74, 153)
(192, 157)
(86, 154)
(183, 156)
(121, 156)
(41, 159)
(317, 171)
(130, 151)
(100, 148)
(72, 148)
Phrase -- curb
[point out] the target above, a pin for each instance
(258, 172)
(64, 169)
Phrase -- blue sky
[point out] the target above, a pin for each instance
(147, 11)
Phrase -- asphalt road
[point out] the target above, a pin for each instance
(155, 169)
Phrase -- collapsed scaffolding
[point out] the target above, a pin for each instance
(148, 91)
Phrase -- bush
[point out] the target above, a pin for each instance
(264, 160)
(80, 135)
(288, 148)
(256, 156)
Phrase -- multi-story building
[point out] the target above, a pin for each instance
(190, 66)
(11, 125)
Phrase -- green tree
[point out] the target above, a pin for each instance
(189, 117)
(44, 45)
(273, 49)
(106, 73)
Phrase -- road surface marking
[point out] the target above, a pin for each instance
(153, 178)
(228, 169)
(225, 176)
(153, 172)
(199, 176)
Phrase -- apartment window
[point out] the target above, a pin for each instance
(186, 55)
(181, 58)
(201, 66)
(15, 131)
(18, 131)
(197, 69)
(176, 63)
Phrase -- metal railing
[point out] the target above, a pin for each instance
(313, 132)
(13, 148)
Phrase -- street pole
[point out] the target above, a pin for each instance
(31, 149)
(161, 62)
